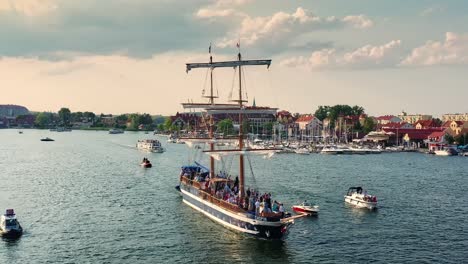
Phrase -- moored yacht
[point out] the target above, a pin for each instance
(9, 225)
(331, 150)
(445, 152)
(116, 131)
(359, 198)
(151, 145)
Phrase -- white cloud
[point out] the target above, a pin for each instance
(283, 27)
(360, 21)
(28, 8)
(362, 57)
(454, 50)
(221, 8)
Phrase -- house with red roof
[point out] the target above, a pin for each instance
(437, 137)
(410, 136)
(284, 117)
(402, 125)
(424, 124)
(455, 128)
(308, 122)
(385, 119)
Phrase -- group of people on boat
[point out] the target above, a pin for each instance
(224, 188)
(370, 198)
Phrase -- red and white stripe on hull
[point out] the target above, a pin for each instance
(300, 209)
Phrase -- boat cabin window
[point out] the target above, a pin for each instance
(10, 222)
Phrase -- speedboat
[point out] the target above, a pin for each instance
(146, 164)
(302, 151)
(9, 225)
(47, 139)
(306, 208)
(359, 198)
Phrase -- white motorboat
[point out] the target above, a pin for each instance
(331, 150)
(9, 225)
(306, 208)
(359, 198)
(151, 145)
(302, 151)
(445, 152)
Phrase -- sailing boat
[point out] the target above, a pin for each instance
(225, 200)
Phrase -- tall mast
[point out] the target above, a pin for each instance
(228, 64)
(211, 123)
(241, 134)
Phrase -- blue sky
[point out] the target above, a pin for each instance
(387, 56)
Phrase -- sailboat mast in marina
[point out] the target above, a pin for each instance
(217, 196)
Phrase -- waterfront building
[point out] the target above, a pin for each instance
(386, 119)
(412, 119)
(12, 110)
(257, 116)
(455, 117)
(456, 128)
(402, 125)
(284, 117)
(410, 137)
(423, 124)
(108, 120)
(308, 126)
(192, 120)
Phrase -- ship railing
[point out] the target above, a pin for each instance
(210, 198)
(191, 182)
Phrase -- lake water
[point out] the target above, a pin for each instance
(85, 199)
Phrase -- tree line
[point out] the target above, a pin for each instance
(65, 118)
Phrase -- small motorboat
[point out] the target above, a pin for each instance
(146, 164)
(306, 208)
(47, 139)
(9, 225)
(359, 198)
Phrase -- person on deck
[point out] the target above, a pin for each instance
(281, 209)
(275, 206)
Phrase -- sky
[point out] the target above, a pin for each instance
(123, 56)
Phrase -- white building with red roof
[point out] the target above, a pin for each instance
(385, 119)
(308, 122)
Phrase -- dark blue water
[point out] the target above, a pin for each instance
(84, 199)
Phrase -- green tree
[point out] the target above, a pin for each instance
(168, 124)
(462, 139)
(145, 119)
(76, 116)
(90, 116)
(43, 120)
(64, 116)
(449, 139)
(246, 126)
(225, 126)
(369, 125)
(322, 112)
